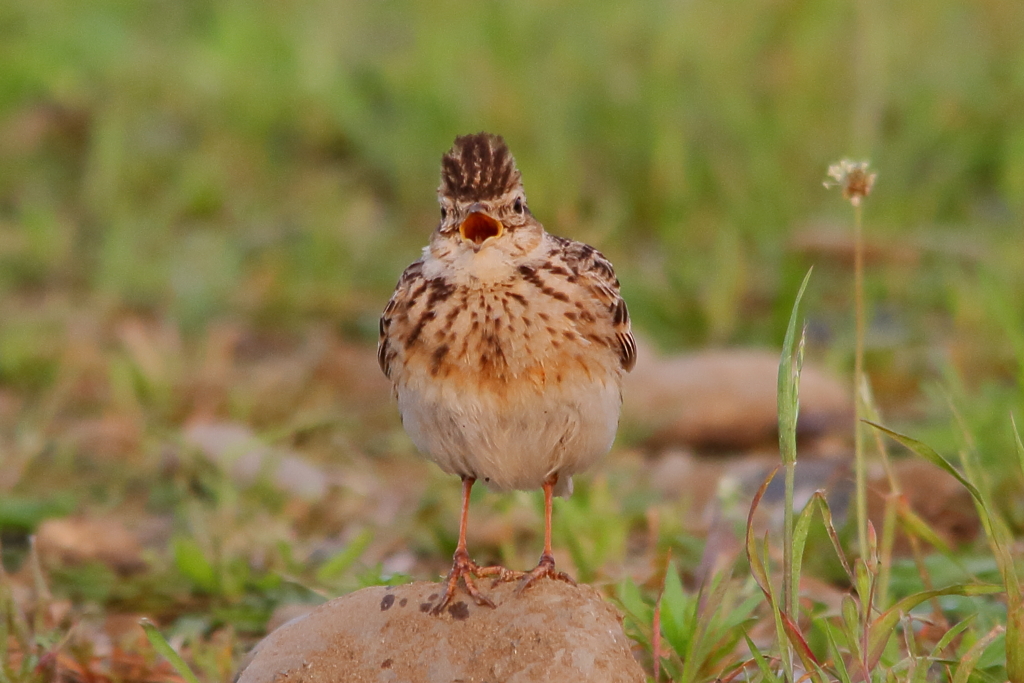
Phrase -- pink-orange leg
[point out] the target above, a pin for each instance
(462, 566)
(546, 567)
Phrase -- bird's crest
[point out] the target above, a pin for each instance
(478, 167)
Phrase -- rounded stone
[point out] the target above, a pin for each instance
(551, 632)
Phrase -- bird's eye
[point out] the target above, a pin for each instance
(444, 213)
(518, 205)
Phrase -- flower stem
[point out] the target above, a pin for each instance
(858, 380)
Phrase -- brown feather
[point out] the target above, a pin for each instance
(591, 268)
(478, 167)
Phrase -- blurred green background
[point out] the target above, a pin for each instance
(276, 162)
(204, 207)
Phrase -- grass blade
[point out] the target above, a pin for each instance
(818, 498)
(929, 454)
(837, 658)
(803, 650)
(1020, 445)
(789, 381)
(884, 625)
(800, 531)
(790, 366)
(952, 633)
(1014, 600)
(160, 644)
(969, 660)
(913, 525)
(656, 640)
(343, 559)
(761, 660)
(677, 612)
(757, 568)
(190, 559)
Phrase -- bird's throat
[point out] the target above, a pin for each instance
(479, 227)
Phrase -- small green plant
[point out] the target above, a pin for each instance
(996, 531)
(691, 636)
(859, 638)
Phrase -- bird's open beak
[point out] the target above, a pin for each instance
(479, 227)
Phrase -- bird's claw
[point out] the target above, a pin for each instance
(545, 569)
(466, 569)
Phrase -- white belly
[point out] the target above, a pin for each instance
(514, 439)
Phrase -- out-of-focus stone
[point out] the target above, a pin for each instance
(551, 632)
(245, 457)
(74, 540)
(936, 496)
(823, 241)
(726, 400)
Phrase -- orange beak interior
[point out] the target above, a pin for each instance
(479, 226)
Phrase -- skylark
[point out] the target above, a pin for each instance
(506, 346)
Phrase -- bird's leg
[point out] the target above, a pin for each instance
(462, 566)
(546, 567)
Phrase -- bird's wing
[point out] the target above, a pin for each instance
(595, 274)
(399, 300)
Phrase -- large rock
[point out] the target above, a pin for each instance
(551, 632)
(726, 400)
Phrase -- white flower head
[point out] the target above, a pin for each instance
(853, 178)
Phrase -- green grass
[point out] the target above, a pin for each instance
(202, 205)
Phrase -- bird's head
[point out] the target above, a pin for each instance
(483, 204)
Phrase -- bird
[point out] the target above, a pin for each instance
(506, 347)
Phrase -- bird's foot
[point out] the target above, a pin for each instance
(466, 569)
(545, 569)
